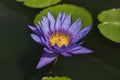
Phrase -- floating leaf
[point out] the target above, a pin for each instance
(110, 31)
(110, 15)
(39, 3)
(56, 78)
(76, 12)
(110, 26)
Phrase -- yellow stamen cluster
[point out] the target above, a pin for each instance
(59, 39)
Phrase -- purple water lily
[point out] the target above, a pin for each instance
(59, 37)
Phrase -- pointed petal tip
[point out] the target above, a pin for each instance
(35, 38)
(60, 14)
(70, 16)
(38, 67)
(48, 50)
(45, 59)
(44, 18)
(49, 14)
(90, 51)
(66, 54)
(31, 27)
(64, 14)
(79, 20)
(88, 28)
(39, 22)
(81, 50)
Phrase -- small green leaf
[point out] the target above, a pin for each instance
(39, 3)
(110, 15)
(110, 31)
(74, 11)
(56, 78)
(110, 26)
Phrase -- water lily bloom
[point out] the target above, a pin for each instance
(59, 37)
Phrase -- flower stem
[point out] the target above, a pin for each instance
(50, 70)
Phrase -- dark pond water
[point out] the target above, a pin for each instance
(19, 54)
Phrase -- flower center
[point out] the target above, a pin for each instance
(59, 39)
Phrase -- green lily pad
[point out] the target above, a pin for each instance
(38, 3)
(110, 26)
(110, 31)
(110, 15)
(56, 78)
(74, 11)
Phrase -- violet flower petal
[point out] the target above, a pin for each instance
(66, 54)
(36, 38)
(56, 49)
(52, 22)
(35, 30)
(75, 28)
(45, 26)
(58, 22)
(66, 24)
(32, 28)
(81, 34)
(63, 18)
(46, 59)
(80, 50)
(48, 50)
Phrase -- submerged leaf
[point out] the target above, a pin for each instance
(76, 12)
(110, 26)
(39, 3)
(56, 78)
